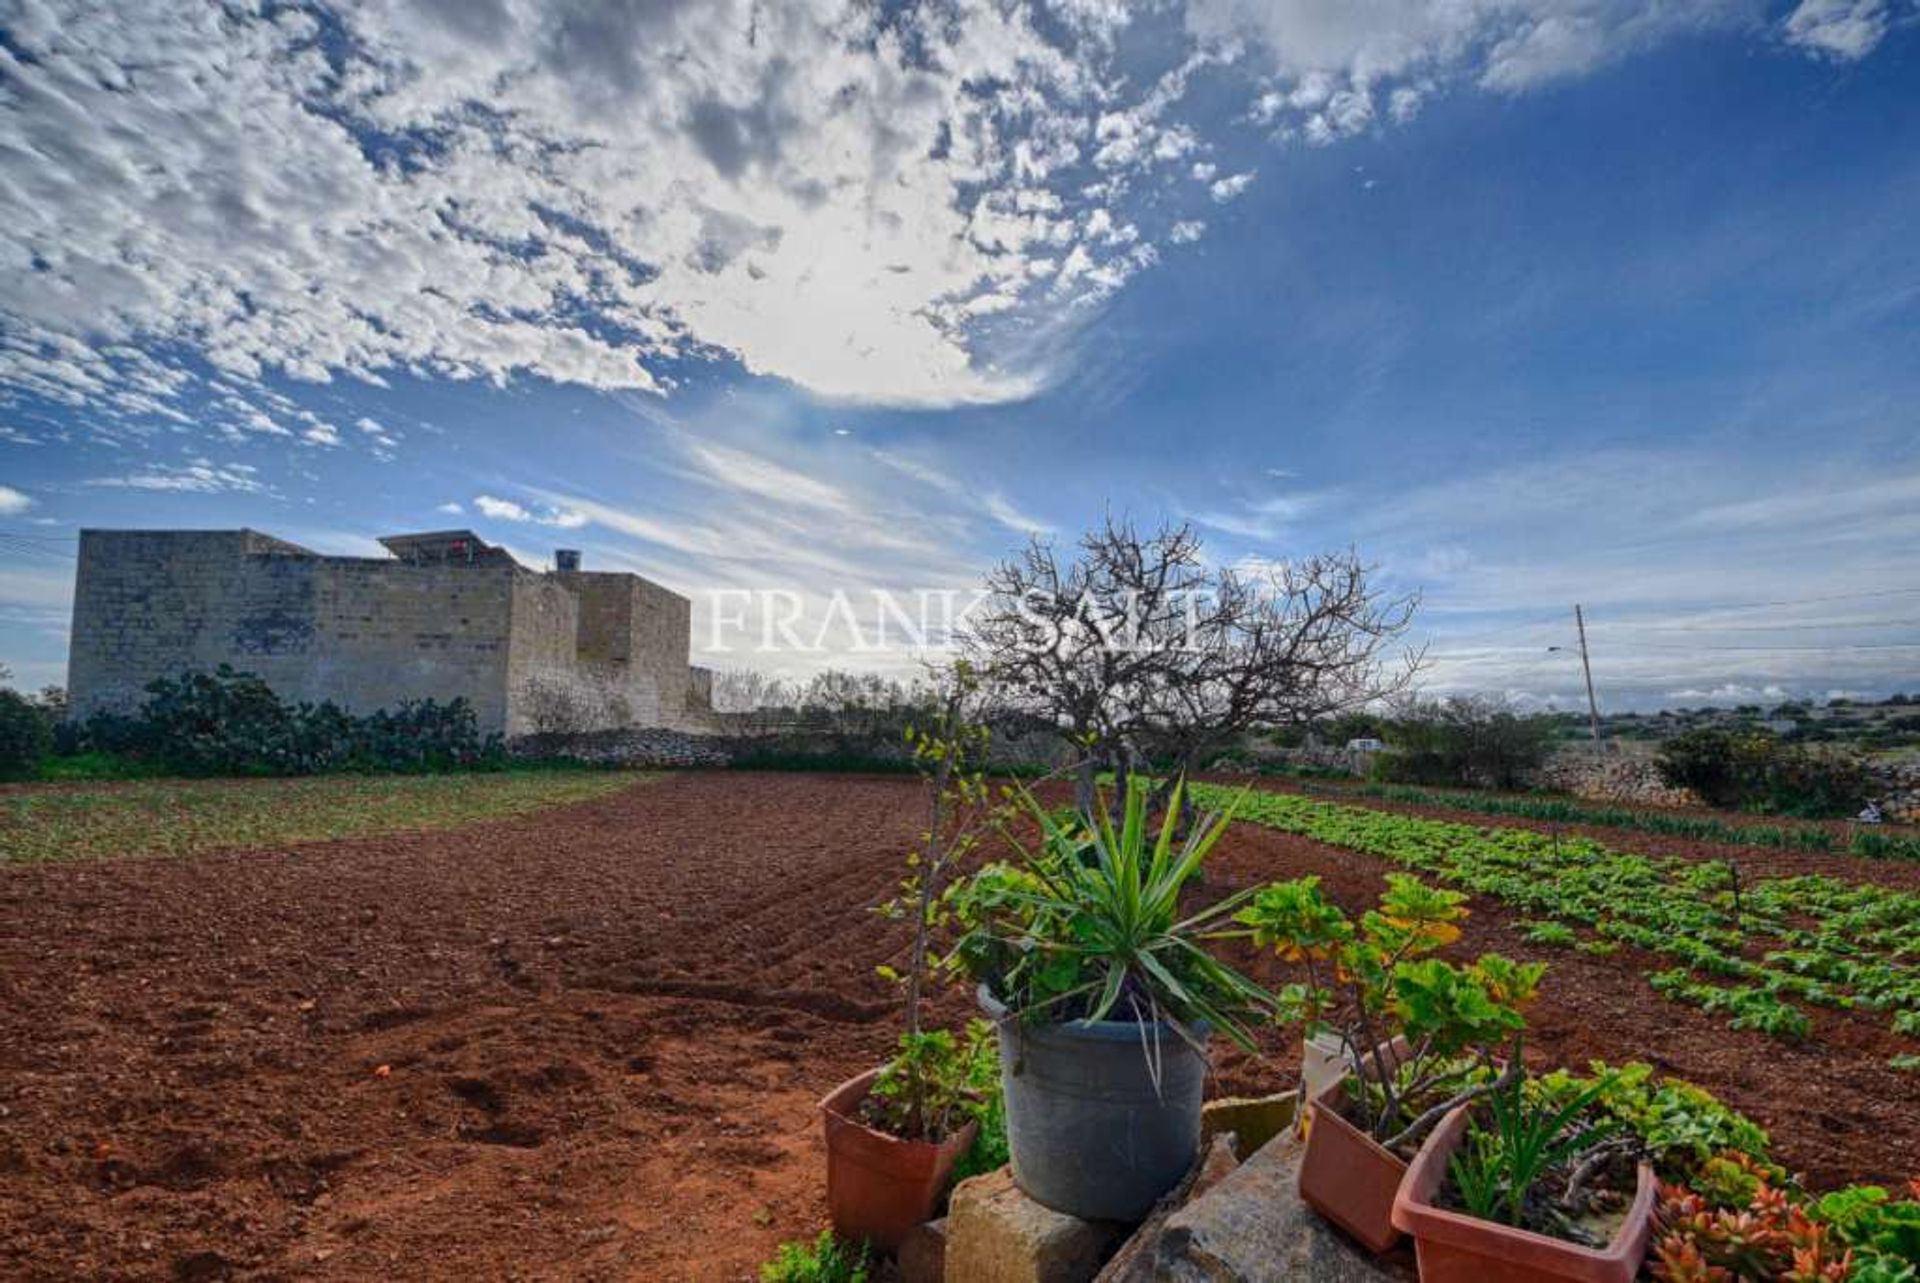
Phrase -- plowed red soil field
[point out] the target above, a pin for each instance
(586, 1044)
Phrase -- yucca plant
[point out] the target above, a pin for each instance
(1088, 924)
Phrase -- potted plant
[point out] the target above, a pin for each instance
(1417, 1033)
(895, 1133)
(1104, 997)
(1525, 1186)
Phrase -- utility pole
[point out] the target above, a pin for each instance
(1586, 666)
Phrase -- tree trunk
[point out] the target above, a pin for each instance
(1085, 794)
(1122, 781)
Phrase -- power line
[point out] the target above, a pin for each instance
(33, 547)
(1910, 645)
(1761, 628)
(1802, 601)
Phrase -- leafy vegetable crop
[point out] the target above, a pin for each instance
(1760, 950)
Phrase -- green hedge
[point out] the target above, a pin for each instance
(232, 723)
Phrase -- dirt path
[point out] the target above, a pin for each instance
(603, 1030)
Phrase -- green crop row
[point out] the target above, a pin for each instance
(1764, 945)
(1697, 828)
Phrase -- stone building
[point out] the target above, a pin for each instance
(446, 615)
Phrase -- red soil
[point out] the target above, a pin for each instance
(587, 1043)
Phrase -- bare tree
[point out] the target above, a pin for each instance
(747, 690)
(1135, 647)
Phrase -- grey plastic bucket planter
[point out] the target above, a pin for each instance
(1089, 1134)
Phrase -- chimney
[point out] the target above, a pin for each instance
(566, 559)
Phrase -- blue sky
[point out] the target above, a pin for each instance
(1534, 302)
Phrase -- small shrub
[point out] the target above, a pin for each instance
(1474, 742)
(25, 735)
(825, 1260)
(1757, 771)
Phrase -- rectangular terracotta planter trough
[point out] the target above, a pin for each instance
(1456, 1248)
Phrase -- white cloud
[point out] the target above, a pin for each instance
(13, 502)
(1842, 29)
(1225, 189)
(199, 476)
(507, 510)
(322, 434)
(878, 203)
(1187, 231)
(451, 508)
(1330, 62)
(834, 193)
(1731, 693)
(501, 509)
(1012, 518)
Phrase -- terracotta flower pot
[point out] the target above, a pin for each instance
(1456, 1248)
(1346, 1176)
(878, 1185)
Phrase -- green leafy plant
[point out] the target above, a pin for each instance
(1505, 1158)
(1560, 810)
(1555, 933)
(826, 1259)
(26, 736)
(1818, 940)
(990, 1150)
(937, 1082)
(1371, 983)
(1883, 846)
(1874, 1223)
(1683, 1127)
(1088, 924)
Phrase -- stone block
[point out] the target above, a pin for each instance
(1251, 1120)
(1252, 1227)
(1134, 1262)
(922, 1257)
(996, 1234)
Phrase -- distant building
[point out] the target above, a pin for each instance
(446, 616)
(1366, 745)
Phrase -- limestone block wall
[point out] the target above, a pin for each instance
(386, 632)
(662, 645)
(365, 633)
(532, 652)
(636, 637)
(153, 604)
(562, 676)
